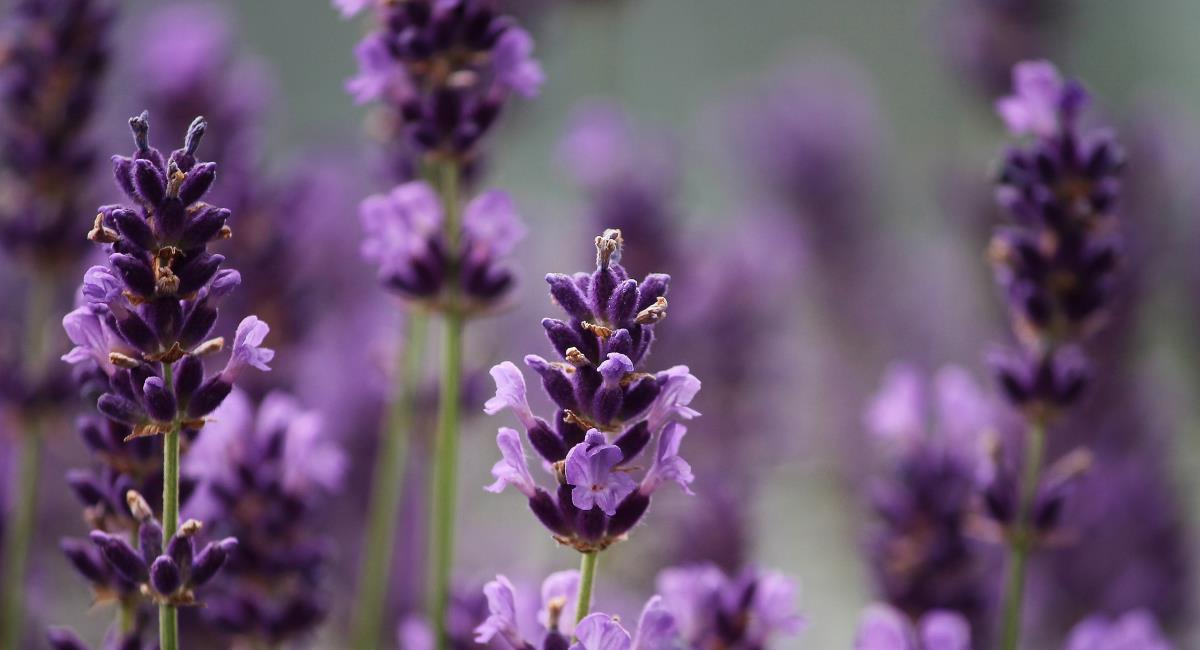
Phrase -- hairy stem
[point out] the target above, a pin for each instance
(168, 616)
(445, 449)
(21, 524)
(1021, 540)
(587, 578)
(387, 484)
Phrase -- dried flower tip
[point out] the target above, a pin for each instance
(1074, 464)
(101, 234)
(653, 313)
(175, 353)
(138, 506)
(146, 430)
(570, 417)
(462, 79)
(554, 610)
(608, 248)
(140, 125)
(575, 357)
(175, 179)
(123, 360)
(195, 133)
(190, 527)
(225, 232)
(599, 330)
(208, 347)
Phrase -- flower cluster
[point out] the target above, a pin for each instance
(601, 394)
(152, 307)
(406, 236)
(446, 68)
(921, 553)
(52, 57)
(258, 476)
(714, 610)
(167, 574)
(1056, 256)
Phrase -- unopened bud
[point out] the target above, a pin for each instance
(123, 360)
(190, 527)
(138, 505)
(608, 248)
(575, 357)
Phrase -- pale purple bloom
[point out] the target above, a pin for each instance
(668, 465)
(502, 622)
(398, 225)
(377, 74)
(492, 225)
(514, 63)
(560, 591)
(93, 338)
(601, 632)
(703, 601)
(351, 8)
(590, 471)
(247, 348)
(512, 469)
(656, 628)
(100, 286)
(882, 627)
(1034, 106)
(679, 387)
(510, 393)
(1135, 630)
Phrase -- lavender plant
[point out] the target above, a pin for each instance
(151, 309)
(259, 476)
(1055, 258)
(609, 410)
(443, 72)
(53, 56)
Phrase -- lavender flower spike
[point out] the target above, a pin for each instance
(609, 409)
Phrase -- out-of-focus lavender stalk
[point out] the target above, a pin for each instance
(52, 60)
(1055, 258)
(445, 72)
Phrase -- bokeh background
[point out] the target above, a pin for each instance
(823, 301)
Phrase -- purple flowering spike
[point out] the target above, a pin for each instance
(668, 465)
(502, 619)
(601, 632)
(589, 470)
(165, 576)
(512, 469)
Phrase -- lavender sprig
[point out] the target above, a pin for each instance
(151, 309)
(609, 410)
(1055, 258)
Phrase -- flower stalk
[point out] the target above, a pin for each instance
(1020, 540)
(168, 615)
(587, 579)
(387, 485)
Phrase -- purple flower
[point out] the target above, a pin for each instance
(507, 616)
(609, 410)
(709, 608)
(1037, 100)
(882, 627)
(512, 469)
(93, 339)
(589, 470)
(1133, 630)
(515, 66)
(502, 621)
(405, 238)
(560, 590)
(601, 632)
(247, 348)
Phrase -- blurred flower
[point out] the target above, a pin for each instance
(259, 476)
(600, 392)
(983, 39)
(712, 609)
(405, 236)
(55, 53)
(882, 627)
(930, 437)
(1135, 629)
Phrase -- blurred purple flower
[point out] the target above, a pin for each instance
(1135, 629)
(711, 609)
(882, 627)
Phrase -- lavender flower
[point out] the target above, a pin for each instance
(406, 238)
(882, 627)
(1056, 257)
(656, 627)
(931, 438)
(55, 55)
(711, 609)
(259, 476)
(1135, 629)
(445, 69)
(601, 393)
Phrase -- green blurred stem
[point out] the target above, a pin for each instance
(445, 450)
(1021, 539)
(387, 485)
(587, 578)
(168, 615)
(20, 530)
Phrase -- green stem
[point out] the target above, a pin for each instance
(20, 531)
(387, 484)
(445, 448)
(587, 578)
(1021, 539)
(168, 616)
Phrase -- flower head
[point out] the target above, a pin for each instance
(589, 470)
